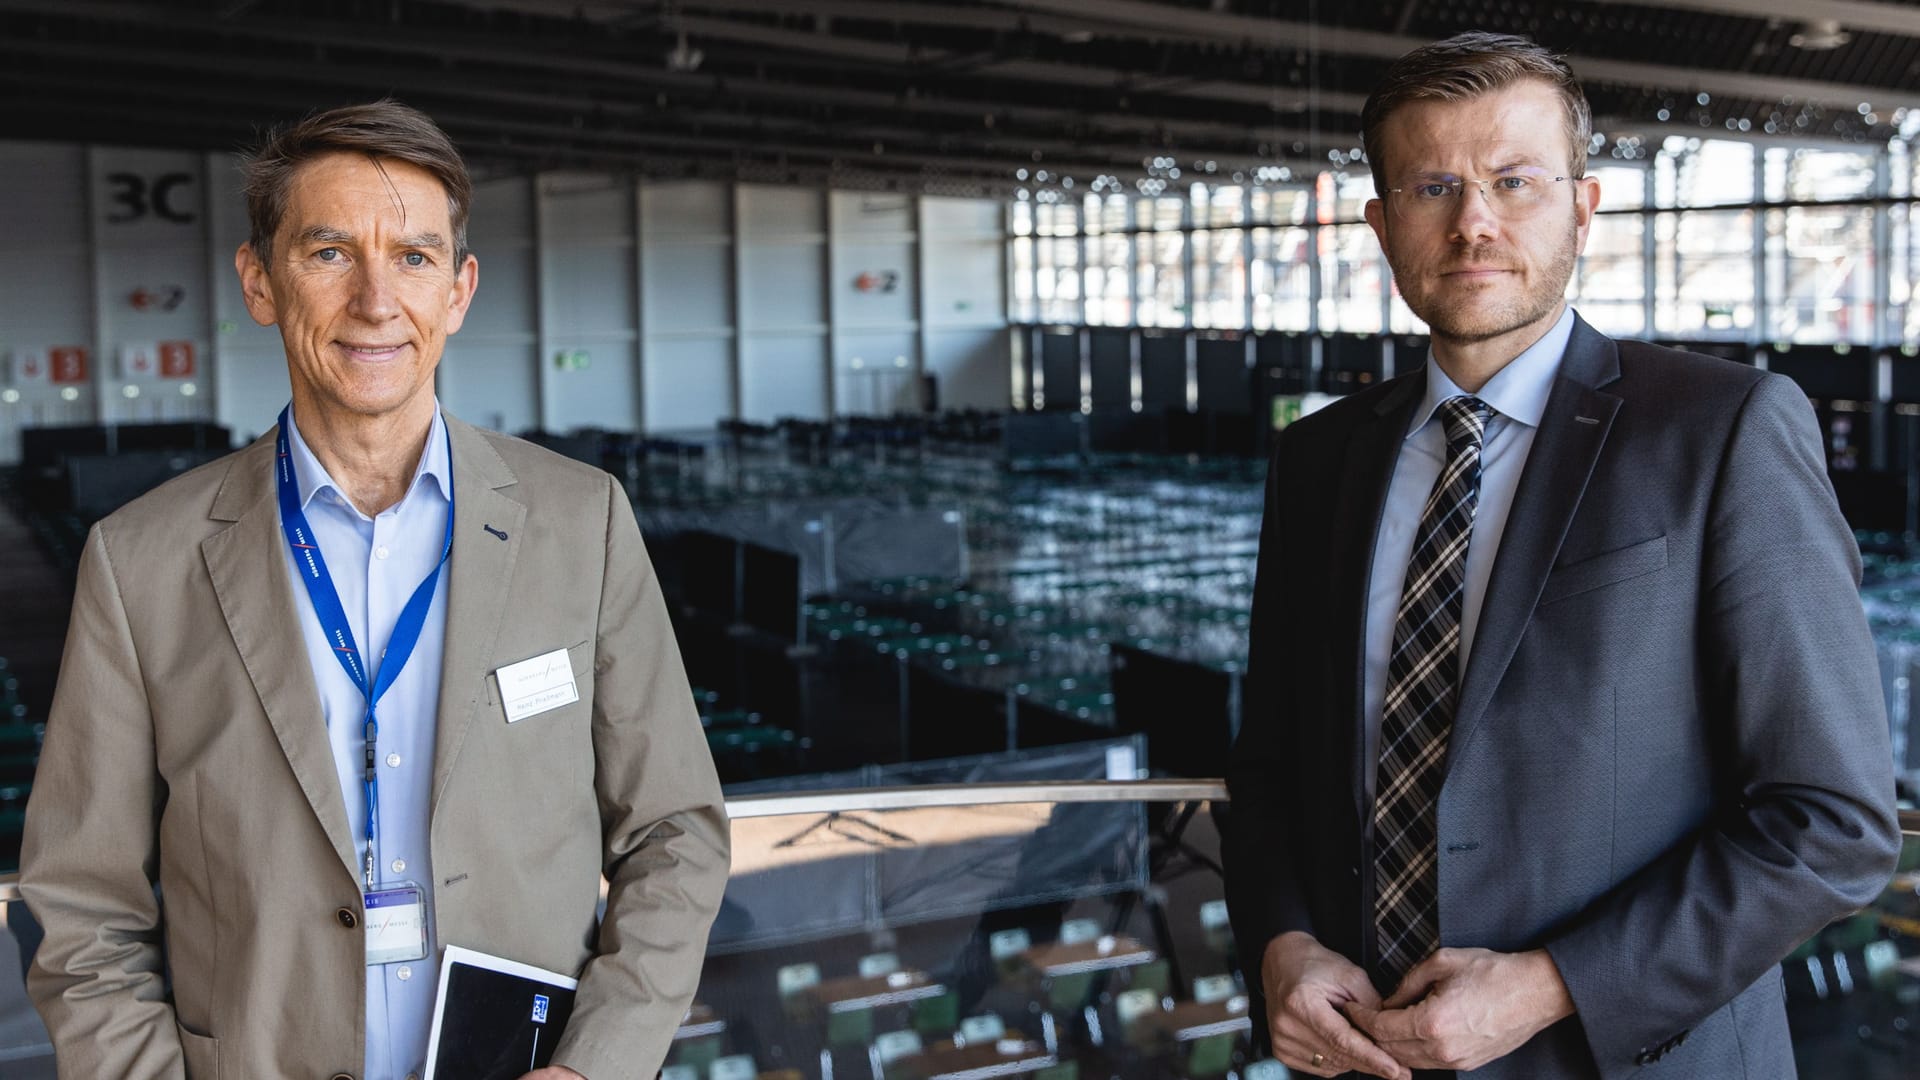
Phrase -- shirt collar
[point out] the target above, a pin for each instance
(1517, 391)
(314, 478)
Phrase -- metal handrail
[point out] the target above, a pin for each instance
(777, 803)
(916, 796)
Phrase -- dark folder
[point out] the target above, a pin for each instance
(495, 1019)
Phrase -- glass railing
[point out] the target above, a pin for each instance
(968, 921)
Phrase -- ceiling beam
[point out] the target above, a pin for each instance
(452, 118)
(1009, 151)
(573, 64)
(1312, 37)
(1896, 19)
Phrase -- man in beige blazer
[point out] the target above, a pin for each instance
(188, 843)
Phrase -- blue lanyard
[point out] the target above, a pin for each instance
(333, 618)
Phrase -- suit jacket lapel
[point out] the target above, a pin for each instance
(250, 580)
(1373, 447)
(1573, 430)
(486, 541)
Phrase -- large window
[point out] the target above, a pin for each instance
(1282, 269)
(1109, 260)
(1702, 238)
(1820, 259)
(1704, 272)
(1903, 286)
(1026, 308)
(1609, 285)
(1057, 262)
(1160, 267)
(1353, 272)
(1219, 257)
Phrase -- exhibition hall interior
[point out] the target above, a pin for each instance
(940, 346)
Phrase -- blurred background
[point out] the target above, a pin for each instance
(939, 345)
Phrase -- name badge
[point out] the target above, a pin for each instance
(534, 686)
(396, 924)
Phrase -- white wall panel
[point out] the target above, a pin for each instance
(600, 214)
(874, 372)
(150, 223)
(253, 389)
(228, 229)
(490, 384)
(40, 205)
(783, 375)
(689, 287)
(589, 291)
(502, 210)
(504, 305)
(963, 286)
(976, 216)
(689, 383)
(782, 286)
(768, 210)
(874, 264)
(149, 197)
(155, 272)
(599, 395)
(867, 212)
(45, 298)
(46, 283)
(971, 367)
(692, 208)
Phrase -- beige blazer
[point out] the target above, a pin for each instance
(186, 751)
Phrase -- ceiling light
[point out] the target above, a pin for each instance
(1823, 35)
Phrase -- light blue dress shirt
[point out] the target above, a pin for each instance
(376, 564)
(1518, 396)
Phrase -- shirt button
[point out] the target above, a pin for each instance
(380, 552)
(399, 866)
(393, 761)
(404, 973)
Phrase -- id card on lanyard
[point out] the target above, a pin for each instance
(396, 912)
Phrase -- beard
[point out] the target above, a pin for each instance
(1489, 316)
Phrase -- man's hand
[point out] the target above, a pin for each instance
(1307, 985)
(553, 1072)
(1461, 1008)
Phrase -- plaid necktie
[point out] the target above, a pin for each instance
(1423, 678)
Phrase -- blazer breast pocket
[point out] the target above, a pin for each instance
(1607, 568)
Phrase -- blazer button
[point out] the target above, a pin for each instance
(347, 919)
(342, 1076)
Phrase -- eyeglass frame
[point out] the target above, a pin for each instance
(1460, 186)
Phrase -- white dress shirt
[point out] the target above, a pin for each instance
(376, 564)
(1518, 397)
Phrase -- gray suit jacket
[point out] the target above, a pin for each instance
(186, 750)
(1669, 761)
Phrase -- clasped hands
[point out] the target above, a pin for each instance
(1457, 1009)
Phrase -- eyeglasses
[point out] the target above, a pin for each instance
(1514, 195)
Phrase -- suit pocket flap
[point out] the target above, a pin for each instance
(1605, 569)
(202, 1053)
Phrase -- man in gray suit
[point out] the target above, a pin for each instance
(1563, 723)
(377, 684)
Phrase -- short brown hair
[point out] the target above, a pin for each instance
(378, 129)
(1466, 66)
